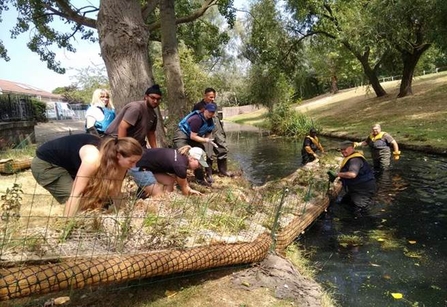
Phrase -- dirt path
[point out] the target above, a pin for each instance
(54, 129)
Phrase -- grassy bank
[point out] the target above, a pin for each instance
(416, 121)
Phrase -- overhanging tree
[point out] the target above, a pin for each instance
(350, 23)
(407, 26)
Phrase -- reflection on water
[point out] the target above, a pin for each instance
(261, 158)
(400, 248)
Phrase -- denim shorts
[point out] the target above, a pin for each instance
(142, 178)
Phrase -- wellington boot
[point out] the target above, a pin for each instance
(200, 177)
(222, 166)
(209, 171)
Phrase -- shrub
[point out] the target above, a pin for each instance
(287, 122)
(39, 111)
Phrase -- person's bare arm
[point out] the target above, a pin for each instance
(353, 170)
(186, 189)
(90, 162)
(395, 146)
(358, 144)
(122, 128)
(310, 151)
(152, 139)
(321, 147)
(347, 175)
(194, 136)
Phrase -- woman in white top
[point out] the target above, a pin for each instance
(100, 114)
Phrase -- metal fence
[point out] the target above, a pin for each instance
(16, 108)
(41, 251)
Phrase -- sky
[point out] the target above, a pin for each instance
(25, 66)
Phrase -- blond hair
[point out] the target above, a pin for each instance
(96, 98)
(184, 150)
(105, 184)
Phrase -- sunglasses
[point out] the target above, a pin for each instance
(106, 97)
(155, 98)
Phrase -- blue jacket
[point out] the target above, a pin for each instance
(109, 116)
(207, 126)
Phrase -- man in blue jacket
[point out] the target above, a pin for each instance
(195, 130)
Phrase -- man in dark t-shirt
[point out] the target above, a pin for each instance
(138, 119)
(357, 178)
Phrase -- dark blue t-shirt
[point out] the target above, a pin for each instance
(164, 160)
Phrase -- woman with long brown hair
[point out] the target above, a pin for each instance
(84, 171)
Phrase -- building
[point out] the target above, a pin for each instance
(17, 115)
(17, 88)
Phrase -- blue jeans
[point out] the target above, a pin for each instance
(142, 178)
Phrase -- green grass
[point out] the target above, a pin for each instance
(416, 121)
(25, 152)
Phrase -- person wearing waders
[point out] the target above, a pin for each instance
(219, 136)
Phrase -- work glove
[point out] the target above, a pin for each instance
(214, 144)
(396, 155)
(211, 141)
(332, 175)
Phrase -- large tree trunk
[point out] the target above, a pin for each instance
(369, 72)
(177, 101)
(372, 77)
(410, 60)
(123, 39)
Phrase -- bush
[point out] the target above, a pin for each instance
(287, 122)
(40, 111)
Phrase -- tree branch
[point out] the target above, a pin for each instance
(148, 8)
(68, 13)
(195, 15)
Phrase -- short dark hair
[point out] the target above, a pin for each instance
(209, 90)
(313, 130)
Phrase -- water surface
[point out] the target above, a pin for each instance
(401, 247)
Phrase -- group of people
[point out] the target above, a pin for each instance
(86, 171)
(357, 177)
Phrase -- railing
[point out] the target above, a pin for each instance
(16, 108)
(424, 72)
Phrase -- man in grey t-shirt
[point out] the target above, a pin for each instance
(138, 119)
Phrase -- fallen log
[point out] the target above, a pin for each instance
(11, 166)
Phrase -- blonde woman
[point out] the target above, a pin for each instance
(100, 114)
(84, 171)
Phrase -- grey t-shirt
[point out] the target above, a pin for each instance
(141, 118)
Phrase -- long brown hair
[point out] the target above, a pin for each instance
(105, 184)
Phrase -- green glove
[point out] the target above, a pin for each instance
(332, 175)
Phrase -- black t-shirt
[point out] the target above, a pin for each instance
(64, 151)
(164, 160)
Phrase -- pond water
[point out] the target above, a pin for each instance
(401, 248)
